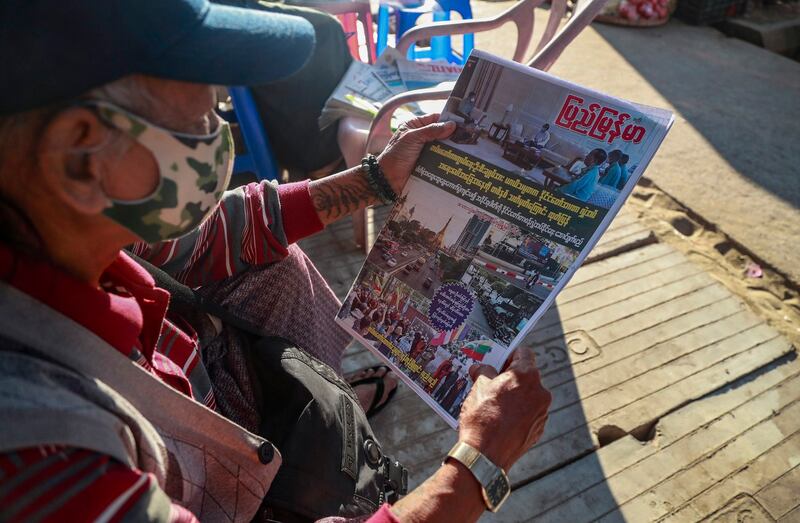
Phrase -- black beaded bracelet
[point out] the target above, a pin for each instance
(377, 180)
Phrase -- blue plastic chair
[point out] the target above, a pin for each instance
(258, 159)
(441, 48)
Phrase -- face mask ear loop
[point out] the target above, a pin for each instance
(112, 135)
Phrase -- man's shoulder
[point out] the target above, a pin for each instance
(43, 402)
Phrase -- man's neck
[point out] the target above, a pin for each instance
(83, 264)
(85, 255)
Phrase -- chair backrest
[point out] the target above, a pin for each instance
(521, 15)
(258, 159)
(547, 54)
(548, 49)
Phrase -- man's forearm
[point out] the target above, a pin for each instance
(452, 494)
(341, 195)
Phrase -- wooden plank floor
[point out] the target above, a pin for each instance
(632, 349)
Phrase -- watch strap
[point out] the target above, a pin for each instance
(493, 480)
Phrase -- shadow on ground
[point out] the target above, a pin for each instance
(555, 353)
(742, 99)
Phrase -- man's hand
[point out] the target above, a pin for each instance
(401, 153)
(502, 417)
(504, 414)
(337, 196)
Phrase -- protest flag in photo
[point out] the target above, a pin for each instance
(445, 337)
(477, 349)
(376, 284)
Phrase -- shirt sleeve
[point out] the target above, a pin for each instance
(384, 515)
(58, 483)
(253, 225)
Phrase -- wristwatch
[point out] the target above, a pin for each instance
(493, 480)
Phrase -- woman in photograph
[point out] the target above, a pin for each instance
(361, 325)
(414, 343)
(426, 357)
(403, 341)
(583, 187)
(418, 347)
(466, 106)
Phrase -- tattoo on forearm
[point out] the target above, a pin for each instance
(340, 196)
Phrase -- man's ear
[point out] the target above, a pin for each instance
(69, 171)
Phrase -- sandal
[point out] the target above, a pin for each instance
(378, 403)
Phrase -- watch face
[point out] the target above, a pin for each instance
(496, 492)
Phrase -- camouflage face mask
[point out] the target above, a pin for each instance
(194, 172)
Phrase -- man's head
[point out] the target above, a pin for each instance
(614, 156)
(62, 165)
(623, 160)
(64, 159)
(595, 157)
(545, 127)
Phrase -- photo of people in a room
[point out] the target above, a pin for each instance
(508, 119)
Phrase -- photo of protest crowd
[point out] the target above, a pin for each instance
(392, 318)
(451, 363)
(512, 121)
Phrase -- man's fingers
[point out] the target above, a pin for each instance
(422, 121)
(477, 370)
(524, 355)
(435, 131)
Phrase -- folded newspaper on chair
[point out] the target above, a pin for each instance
(365, 88)
(493, 223)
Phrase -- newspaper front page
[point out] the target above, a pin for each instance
(494, 222)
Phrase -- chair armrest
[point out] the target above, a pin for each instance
(381, 124)
(521, 14)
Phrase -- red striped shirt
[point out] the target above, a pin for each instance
(253, 225)
(56, 483)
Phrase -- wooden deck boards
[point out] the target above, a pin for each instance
(633, 347)
(691, 467)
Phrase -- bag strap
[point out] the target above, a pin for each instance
(184, 296)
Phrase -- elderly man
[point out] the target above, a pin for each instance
(108, 398)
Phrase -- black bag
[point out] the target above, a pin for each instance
(332, 462)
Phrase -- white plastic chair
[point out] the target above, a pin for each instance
(357, 136)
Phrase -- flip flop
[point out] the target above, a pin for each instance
(376, 406)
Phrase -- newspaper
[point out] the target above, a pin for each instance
(365, 88)
(419, 75)
(360, 93)
(387, 71)
(493, 223)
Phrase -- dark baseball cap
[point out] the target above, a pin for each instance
(55, 50)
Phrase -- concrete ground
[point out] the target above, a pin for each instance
(673, 397)
(675, 378)
(732, 155)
